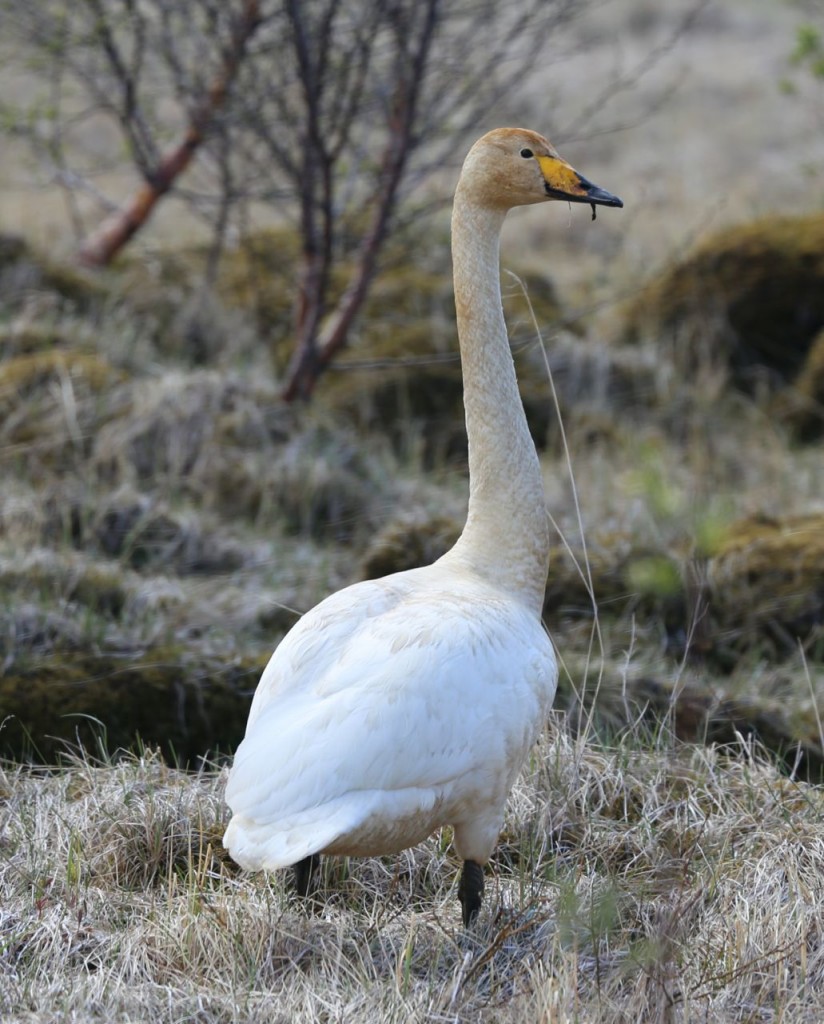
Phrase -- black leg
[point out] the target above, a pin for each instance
(471, 891)
(304, 872)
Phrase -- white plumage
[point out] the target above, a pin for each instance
(403, 704)
(393, 723)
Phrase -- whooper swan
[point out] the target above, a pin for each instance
(410, 702)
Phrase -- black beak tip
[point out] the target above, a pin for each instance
(601, 196)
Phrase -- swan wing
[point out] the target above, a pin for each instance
(422, 705)
(313, 646)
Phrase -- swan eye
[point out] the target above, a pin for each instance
(526, 153)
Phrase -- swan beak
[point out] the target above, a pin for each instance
(563, 182)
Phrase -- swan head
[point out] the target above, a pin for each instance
(515, 167)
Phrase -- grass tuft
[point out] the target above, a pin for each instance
(680, 883)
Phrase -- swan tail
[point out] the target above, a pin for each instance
(264, 845)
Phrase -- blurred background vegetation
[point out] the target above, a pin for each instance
(228, 369)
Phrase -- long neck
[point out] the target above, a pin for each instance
(506, 537)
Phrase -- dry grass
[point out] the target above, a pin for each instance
(645, 882)
(160, 508)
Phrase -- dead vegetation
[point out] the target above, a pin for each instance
(640, 883)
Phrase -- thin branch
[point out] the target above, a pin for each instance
(116, 231)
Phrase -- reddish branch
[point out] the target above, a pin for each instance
(101, 247)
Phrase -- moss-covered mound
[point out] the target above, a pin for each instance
(760, 593)
(702, 714)
(185, 705)
(49, 405)
(801, 406)
(259, 277)
(766, 586)
(23, 375)
(751, 297)
(24, 271)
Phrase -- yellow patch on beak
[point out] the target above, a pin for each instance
(561, 179)
(563, 182)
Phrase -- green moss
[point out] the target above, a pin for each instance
(699, 715)
(82, 288)
(21, 375)
(627, 579)
(259, 277)
(752, 296)
(100, 589)
(50, 407)
(185, 705)
(655, 575)
(765, 584)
